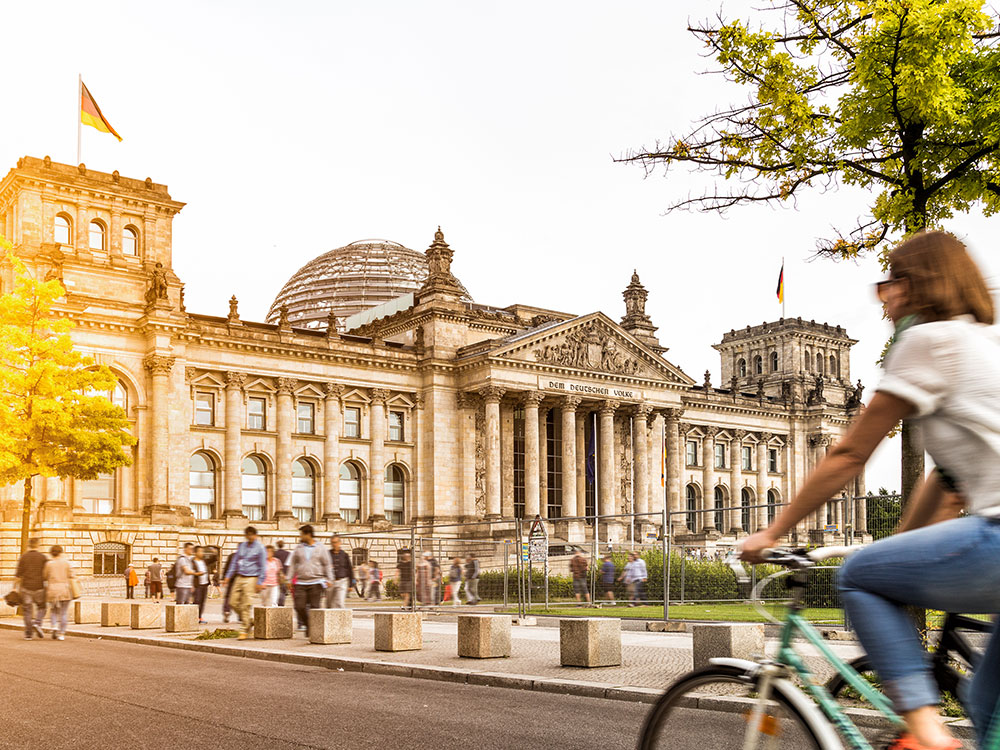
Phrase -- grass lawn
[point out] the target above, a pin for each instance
(720, 612)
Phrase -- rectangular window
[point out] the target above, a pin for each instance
(307, 419)
(98, 495)
(396, 426)
(256, 414)
(747, 458)
(519, 462)
(692, 452)
(352, 422)
(772, 460)
(204, 408)
(720, 455)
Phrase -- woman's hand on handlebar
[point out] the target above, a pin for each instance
(754, 545)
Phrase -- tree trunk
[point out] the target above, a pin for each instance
(26, 515)
(912, 455)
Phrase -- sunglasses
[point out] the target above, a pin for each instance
(882, 288)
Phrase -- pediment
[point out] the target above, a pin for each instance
(592, 343)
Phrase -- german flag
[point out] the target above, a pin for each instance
(781, 284)
(90, 113)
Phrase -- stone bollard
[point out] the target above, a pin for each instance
(730, 640)
(590, 642)
(484, 636)
(181, 618)
(272, 623)
(6, 610)
(146, 615)
(116, 614)
(86, 611)
(331, 625)
(398, 631)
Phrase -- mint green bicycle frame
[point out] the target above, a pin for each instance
(794, 625)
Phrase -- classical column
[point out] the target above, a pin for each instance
(532, 490)
(159, 367)
(543, 461)
(491, 396)
(376, 472)
(568, 409)
(671, 418)
(736, 484)
(640, 462)
(708, 479)
(762, 479)
(331, 451)
(581, 464)
(232, 494)
(283, 454)
(607, 459)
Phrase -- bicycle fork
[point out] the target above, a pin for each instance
(759, 721)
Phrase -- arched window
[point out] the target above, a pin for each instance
(774, 361)
(97, 495)
(758, 365)
(395, 491)
(130, 241)
(350, 492)
(819, 363)
(254, 488)
(720, 503)
(692, 506)
(119, 396)
(772, 506)
(809, 361)
(303, 490)
(110, 558)
(741, 367)
(834, 370)
(746, 500)
(201, 485)
(62, 230)
(97, 236)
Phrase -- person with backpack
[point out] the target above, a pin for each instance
(184, 573)
(311, 569)
(472, 580)
(200, 580)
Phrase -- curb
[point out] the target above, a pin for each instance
(865, 718)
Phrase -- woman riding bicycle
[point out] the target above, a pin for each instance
(942, 371)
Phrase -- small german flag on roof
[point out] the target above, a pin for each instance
(90, 113)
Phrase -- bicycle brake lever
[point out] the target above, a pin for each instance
(736, 565)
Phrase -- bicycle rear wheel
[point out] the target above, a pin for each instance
(714, 707)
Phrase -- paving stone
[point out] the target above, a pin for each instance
(330, 625)
(398, 631)
(484, 636)
(590, 642)
(271, 623)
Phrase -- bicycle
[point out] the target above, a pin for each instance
(758, 698)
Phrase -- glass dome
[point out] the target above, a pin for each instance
(348, 280)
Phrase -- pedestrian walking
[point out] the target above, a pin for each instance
(343, 575)
(374, 592)
(404, 577)
(29, 579)
(131, 581)
(455, 580)
(184, 575)
(608, 578)
(472, 580)
(283, 555)
(578, 568)
(246, 570)
(424, 569)
(145, 584)
(362, 573)
(310, 570)
(227, 608)
(200, 580)
(58, 590)
(155, 574)
(272, 580)
(641, 574)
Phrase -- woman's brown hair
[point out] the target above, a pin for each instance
(944, 280)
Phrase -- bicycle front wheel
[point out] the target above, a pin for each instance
(714, 708)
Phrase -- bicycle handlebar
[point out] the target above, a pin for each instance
(796, 559)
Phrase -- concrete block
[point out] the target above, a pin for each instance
(86, 611)
(116, 614)
(272, 623)
(146, 615)
(398, 631)
(181, 618)
(726, 640)
(330, 625)
(484, 636)
(6, 610)
(590, 642)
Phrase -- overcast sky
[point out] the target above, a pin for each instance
(293, 128)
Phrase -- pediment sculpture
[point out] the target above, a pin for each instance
(589, 347)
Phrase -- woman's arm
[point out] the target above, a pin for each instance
(931, 503)
(844, 462)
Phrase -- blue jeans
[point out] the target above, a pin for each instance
(952, 566)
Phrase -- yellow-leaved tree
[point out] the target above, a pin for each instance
(55, 419)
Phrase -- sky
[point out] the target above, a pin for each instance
(291, 129)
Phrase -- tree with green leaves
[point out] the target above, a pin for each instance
(55, 417)
(896, 97)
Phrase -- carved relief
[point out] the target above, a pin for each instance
(379, 395)
(589, 348)
(235, 379)
(158, 364)
(624, 467)
(333, 390)
(286, 385)
(480, 463)
(492, 394)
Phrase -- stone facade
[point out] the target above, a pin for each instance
(435, 409)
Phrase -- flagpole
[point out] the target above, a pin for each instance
(783, 295)
(79, 122)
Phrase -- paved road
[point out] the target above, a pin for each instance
(81, 693)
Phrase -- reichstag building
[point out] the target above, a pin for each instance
(380, 392)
